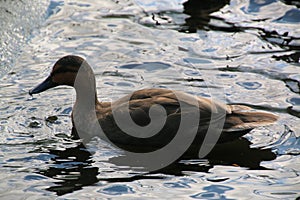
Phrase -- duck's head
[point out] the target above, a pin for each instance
(64, 72)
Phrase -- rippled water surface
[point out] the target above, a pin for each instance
(237, 51)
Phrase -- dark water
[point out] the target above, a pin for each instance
(244, 52)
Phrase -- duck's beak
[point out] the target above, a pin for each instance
(45, 85)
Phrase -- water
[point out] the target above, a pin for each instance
(19, 21)
(243, 52)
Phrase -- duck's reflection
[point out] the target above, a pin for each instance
(72, 167)
(235, 153)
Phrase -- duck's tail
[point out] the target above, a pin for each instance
(243, 118)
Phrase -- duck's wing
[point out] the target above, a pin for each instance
(232, 121)
(137, 106)
(237, 117)
(139, 103)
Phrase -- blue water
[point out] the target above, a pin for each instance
(244, 52)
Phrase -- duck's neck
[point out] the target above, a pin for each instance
(85, 86)
(86, 100)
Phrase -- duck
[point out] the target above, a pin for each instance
(152, 117)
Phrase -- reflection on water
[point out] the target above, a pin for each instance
(200, 18)
(244, 52)
(72, 167)
(199, 12)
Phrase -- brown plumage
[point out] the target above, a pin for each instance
(71, 70)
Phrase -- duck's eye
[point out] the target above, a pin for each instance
(64, 70)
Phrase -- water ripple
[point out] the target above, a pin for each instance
(245, 50)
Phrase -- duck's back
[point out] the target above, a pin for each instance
(174, 103)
